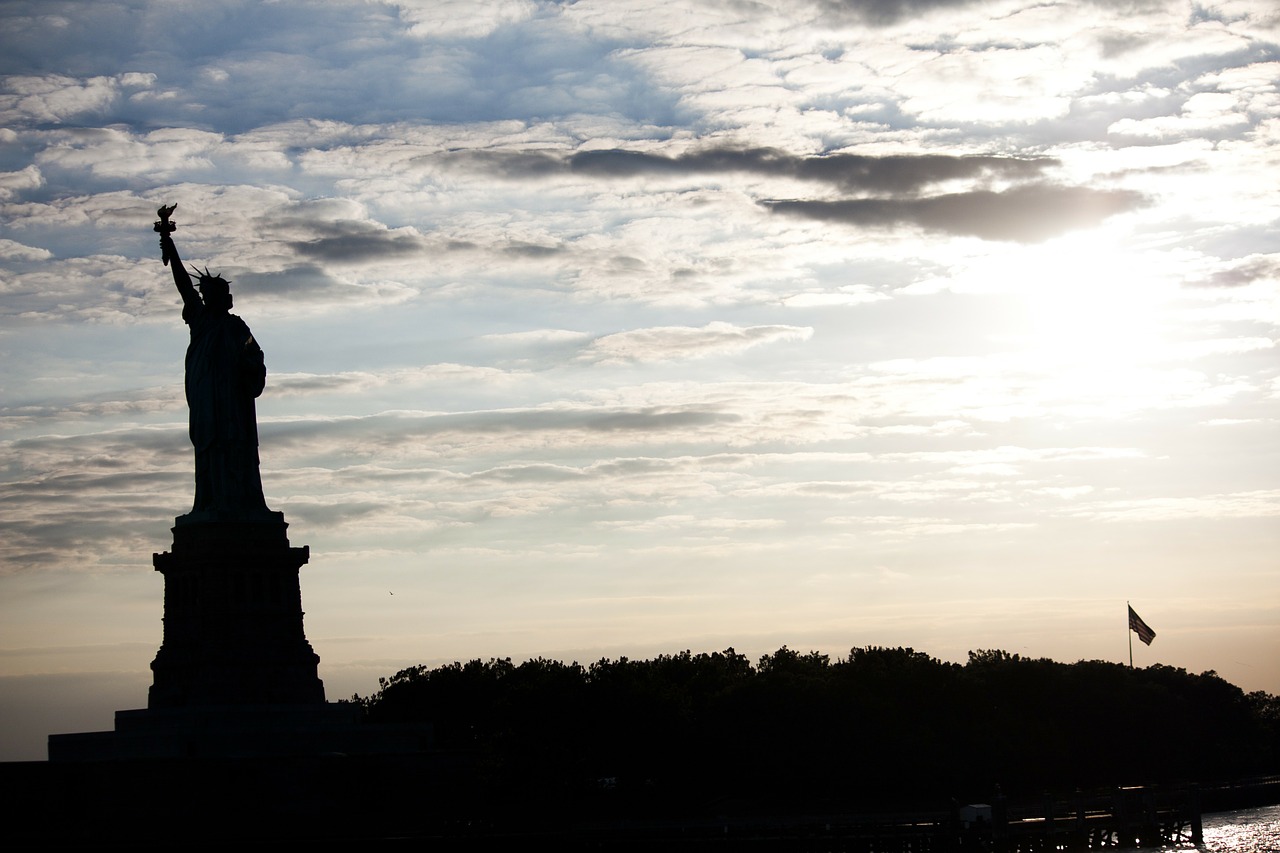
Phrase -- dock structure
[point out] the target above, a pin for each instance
(436, 799)
(1127, 818)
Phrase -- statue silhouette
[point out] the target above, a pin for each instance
(225, 372)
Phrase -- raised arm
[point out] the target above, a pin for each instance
(169, 255)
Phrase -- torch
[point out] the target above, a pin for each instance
(164, 228)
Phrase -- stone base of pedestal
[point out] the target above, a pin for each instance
(239, 731)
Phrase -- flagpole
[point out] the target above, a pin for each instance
(1129, 630)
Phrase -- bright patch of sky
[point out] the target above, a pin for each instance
(624, 327)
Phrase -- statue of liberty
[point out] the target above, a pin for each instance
(225, 372)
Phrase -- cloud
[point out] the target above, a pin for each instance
(405, 435)
(1204, 115)
(853, 294)
(847, 172)
(94, 407)
(13, 184)
(245, 65)
(672, 343)
(362, 243)
(883, 13)
(904, 528)
(1026, 214)
(461, 19)
(1248, 270)
(1256, 504)
(687, 526)
(54, 98)
(305, 279)
(115, 153)
(82, 502)
(302, 384)
(11, 250)
(538, 336)
(899, 174)
(100, 289)
(225, 212)
(533, 251)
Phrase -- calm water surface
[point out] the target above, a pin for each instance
(1244, 831)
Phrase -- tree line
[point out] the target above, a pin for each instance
(882, 726)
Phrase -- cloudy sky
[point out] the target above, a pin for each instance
(628, 326)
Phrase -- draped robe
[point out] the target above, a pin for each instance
(225, 372)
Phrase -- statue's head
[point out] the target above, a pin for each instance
(215, 291)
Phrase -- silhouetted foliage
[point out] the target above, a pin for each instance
(884, 725)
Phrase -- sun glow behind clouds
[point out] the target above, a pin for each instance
(1091, 315)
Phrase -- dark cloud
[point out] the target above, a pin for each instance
(512, 164)
(1118, 44)
(907, 173)
(1256, 268)
(1025, 214)
(310, 384)
(658, 419)
(391, 428)
(882, 13)
(305, 278)
(847, 172)
(332, 230)
(361, 244)
(530, 250)
(332, 515)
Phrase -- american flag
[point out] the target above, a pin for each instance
(1144, 632)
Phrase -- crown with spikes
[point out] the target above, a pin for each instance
(208, 277)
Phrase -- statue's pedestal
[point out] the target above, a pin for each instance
(235, 675)
(233, 617)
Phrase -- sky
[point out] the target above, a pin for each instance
(623, 327)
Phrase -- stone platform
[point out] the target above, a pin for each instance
(239, 731)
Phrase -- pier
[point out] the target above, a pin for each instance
(1126, 818)
(336, 800)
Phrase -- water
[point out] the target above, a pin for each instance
(1244, 831)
